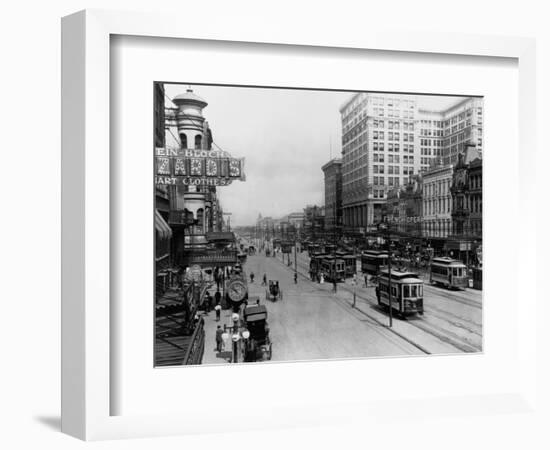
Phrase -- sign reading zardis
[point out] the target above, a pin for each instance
(177, 166)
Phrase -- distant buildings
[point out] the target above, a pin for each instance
(405, 164)
(387, 138)
(333, 193)
(467, 201)
(436, 201)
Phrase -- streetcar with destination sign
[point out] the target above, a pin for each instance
(372, 260)
(406, 289)
(448, 272)
(333, 268)
(350, 262)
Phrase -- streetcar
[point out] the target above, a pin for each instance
(315, 267)
(315, 249)
(449, 273)
(407, 293)
(333, 268)
(350, 262)
(372, 260)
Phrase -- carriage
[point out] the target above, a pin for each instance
(273, 292)
(258, 346)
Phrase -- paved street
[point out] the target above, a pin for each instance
(311, 322)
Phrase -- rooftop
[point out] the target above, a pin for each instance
(189, 97)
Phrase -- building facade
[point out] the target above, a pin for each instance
(436, 201)
(194, 210)
(379, 152)
(410, 207)
(333, 193)
(447, 132)
(467, 210)
(387, 138)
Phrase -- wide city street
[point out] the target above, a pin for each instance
(313, 322)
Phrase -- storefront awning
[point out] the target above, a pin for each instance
(217, 236)
(163, 229)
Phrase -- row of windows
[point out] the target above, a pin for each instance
(396, 113)
(392, 102)
(379, 157)
(379, 169)
(435, 188)
(392, 147)
(392, 181)
(393, 125)
(437, 206)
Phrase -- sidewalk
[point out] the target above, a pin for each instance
(211, 356)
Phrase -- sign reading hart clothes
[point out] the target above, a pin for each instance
(176, 166)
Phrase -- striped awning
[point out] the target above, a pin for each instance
(164, 230)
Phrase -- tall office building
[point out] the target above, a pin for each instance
(386, 138)
(333, 193)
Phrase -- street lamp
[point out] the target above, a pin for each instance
(237, 333)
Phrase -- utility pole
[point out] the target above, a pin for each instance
(389, 273)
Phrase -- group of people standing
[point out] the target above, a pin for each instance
(213, 303)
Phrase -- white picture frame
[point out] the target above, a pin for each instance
(86, 384)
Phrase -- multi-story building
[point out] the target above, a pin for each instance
(447, 132)
(296, 220)
(314, 222)
(436, 203)
(379, 152)
(410, 208)
(194, 210)
(163, 232)
(466, 210)
(333, 193)
(386, 138)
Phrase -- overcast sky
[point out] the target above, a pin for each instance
(285, 136)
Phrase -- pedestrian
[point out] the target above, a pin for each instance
(218, 309)
(219, 339)
(322, 278)
(207, 302)
(217, 297)
(295, 278)
(252, 277)
(264, 281)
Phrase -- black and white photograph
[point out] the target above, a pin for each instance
(301, 224)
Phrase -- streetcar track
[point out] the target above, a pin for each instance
(455, 323)
(343, 304)
(446, 296)
(443, 335)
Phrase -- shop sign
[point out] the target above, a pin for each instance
(196, 167)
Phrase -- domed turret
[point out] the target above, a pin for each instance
(189, 118)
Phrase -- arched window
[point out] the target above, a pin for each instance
(198, 141)
(183, 139)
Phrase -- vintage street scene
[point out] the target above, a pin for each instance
(301, 224)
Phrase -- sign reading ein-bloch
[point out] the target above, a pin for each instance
(176, 166)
